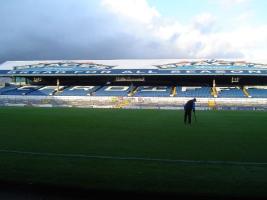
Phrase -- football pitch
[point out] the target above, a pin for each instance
(223, 154)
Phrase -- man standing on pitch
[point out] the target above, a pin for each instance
(188, 107)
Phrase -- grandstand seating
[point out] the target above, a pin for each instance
(204, 92)
(257, 92)
(45, 91)
(231, 93)
(7, 88)
(78, 91)
(142, 91)
(113, 91)
(21, 90)
(152, 91)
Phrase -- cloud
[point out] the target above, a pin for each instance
(230, 3)
(233, 1)
(171, 37)
(136, 10)
(204, 22)
(114, 29)
(202, 38)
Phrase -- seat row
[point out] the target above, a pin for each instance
(142, 91)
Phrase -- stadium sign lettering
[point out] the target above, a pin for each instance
(176, 72)
(220, 71)
(140, 72)
(152, 72)
(237, 72)
(90, 72)
(205, 72)
(23, 72)
(48, 72)
(256, 72)
(36, 72)
(106, 72)
(127, 72)
(133, 72)
(60, 72)
(190, 72)
(11, 72)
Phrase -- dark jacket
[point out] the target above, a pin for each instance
(190, 105)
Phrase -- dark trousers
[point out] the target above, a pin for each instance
(187, 115)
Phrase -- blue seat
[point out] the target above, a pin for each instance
(79, 91)
(25, 90)
(113, 91)
(257, 92)
(7, 88)
(203, 92)
(153, 91)
(45, 91)
(231, 93)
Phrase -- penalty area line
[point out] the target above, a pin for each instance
(84, 156)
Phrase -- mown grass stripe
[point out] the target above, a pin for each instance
(84, 156)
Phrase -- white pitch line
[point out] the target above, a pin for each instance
(208, 162)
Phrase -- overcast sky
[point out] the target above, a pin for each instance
(120, 29)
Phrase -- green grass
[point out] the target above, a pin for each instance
(238, 136)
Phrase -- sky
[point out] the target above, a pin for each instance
(132, 29)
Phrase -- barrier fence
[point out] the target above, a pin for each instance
(133, 102)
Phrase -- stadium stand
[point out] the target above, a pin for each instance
(78, 91)
(46, 91)
(152, 91)
(204, 92)
(219, 84)
(113, 91)
(230, 92)
(22, 90)
(257, 92)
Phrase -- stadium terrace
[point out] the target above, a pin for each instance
(134, 83)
